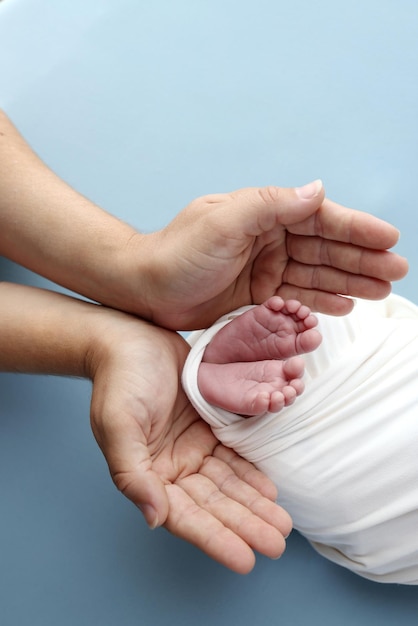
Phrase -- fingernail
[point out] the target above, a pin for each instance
(150, 515)
(310, 190)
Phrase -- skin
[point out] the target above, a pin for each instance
(220, 252)
(250, 366)
(161, 455)
(234, 249)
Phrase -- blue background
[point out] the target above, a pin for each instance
(142, 106)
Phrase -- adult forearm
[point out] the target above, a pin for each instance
(46, 332)
(51, 229)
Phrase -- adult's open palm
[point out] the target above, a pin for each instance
(165, 459)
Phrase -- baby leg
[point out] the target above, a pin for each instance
(250, 366)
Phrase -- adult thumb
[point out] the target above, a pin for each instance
(267, 207)
(130, 467)
(145, 489)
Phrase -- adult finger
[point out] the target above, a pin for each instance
(247, 472)
(318, 301)
(334, 221)
(239, 489)
(329, 279)
(318, 251)
(189, 521)
(219, 526)
(131, 470)
(256, 532)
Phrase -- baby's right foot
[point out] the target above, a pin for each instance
(252, 388)
(273, 330)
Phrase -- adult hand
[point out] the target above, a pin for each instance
(227, 250)
(220, 252)
(164, 457)
(161, 454)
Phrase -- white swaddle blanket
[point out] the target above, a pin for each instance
(344, 456)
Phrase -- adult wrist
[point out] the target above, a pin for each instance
(136, 276)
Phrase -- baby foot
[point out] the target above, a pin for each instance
(250, 366)
(273, 330)
(251, 388)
